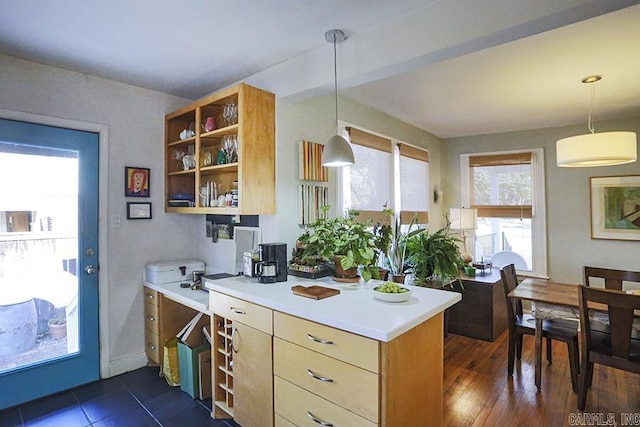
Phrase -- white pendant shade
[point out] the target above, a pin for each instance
(337, 152)
(597, 149)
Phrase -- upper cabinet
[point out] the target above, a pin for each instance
(220, 154)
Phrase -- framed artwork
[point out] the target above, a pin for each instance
(615, 207)
(137, 210)
(136, 181)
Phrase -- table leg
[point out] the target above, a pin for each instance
(538, 351)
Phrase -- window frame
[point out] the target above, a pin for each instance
(538, 217)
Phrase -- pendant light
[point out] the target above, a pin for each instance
(596, 149)
(337, 152)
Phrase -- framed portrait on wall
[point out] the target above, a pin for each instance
(136, 181)
(615, 207)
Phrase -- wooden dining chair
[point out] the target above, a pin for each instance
(612, 278)
(521, 324)
(615, 348)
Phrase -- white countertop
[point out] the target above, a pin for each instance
(353, 310)
(196, 299)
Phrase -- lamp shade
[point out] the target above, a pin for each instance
(337, 152)
(463, 218)
(597, 149)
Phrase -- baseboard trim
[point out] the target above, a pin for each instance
(126, 364)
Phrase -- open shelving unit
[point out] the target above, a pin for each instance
(252, 176)
(223, 369)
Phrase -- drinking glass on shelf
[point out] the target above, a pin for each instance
(230, 113)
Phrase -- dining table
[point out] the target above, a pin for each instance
(554, 300)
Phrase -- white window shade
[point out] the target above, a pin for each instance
(370, 179)
(414, 184)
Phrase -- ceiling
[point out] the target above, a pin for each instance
(528, 80)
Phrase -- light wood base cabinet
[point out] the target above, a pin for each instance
(163, 319)
(402, 388)
(243, 376)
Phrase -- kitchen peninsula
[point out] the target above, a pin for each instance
(284, 360)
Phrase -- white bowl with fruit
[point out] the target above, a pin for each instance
(391, 292)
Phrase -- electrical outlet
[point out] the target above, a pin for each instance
(115, 221)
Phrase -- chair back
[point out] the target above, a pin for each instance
(612, 278)
(613, 348)
(509, 283)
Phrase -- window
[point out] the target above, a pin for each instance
(508, 191)
(386, 172)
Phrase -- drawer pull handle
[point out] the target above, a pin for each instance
(237, 310)
(150, 296)
(318, 377)
(151, 318)
(318, 340)
(316, 420)
(152, 347)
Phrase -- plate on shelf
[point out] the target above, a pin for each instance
(389, 297)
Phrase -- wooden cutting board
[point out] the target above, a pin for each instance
(315, 291)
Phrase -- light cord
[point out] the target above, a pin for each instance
(593, 95)
(335, 78)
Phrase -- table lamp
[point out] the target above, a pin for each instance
(463, 219)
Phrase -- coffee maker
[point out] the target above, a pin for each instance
(273, 263)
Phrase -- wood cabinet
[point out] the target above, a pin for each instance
(251, 170)
(326, 375)
(482, 313)
(164, 318)
(243, 375)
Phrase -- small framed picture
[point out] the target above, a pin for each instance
(615, 207)
(137, 210)
(136, 181)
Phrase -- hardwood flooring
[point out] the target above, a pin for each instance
(479, 392)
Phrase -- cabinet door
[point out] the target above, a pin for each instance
(253, 377)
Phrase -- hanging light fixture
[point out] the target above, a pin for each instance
(596, 149)
(337, 152)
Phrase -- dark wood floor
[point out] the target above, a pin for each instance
(479, 392)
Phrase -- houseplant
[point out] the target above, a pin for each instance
(434, 258)
(397, 249)
(350, 244)
(58, 323)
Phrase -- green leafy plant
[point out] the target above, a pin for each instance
(396, 254)
(352, 241)
(434, 258)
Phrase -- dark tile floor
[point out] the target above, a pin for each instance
(138, 398)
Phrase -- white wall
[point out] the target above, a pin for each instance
(135, 121)
(568, 207)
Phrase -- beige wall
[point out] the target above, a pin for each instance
(313, 120)
(567, 189)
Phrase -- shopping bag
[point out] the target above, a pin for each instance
(170, 365)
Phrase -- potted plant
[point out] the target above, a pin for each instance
(345, 241)
(390, 244)
(434, 258)
(58, 323)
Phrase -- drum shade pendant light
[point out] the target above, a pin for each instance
(596, 149)
(337, 152)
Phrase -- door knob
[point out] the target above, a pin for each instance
(90, 269)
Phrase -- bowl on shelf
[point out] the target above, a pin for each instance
(392, 297)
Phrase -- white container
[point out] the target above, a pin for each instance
(162, 272)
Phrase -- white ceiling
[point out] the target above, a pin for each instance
(523, 78)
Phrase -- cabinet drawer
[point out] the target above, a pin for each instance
(151, 317)
(247, 313)
(151, 296)
(152, 346)
(281, 422)
(351, 348)
(349, 386)
(298, 406)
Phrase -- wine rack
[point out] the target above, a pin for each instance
(223, 369)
